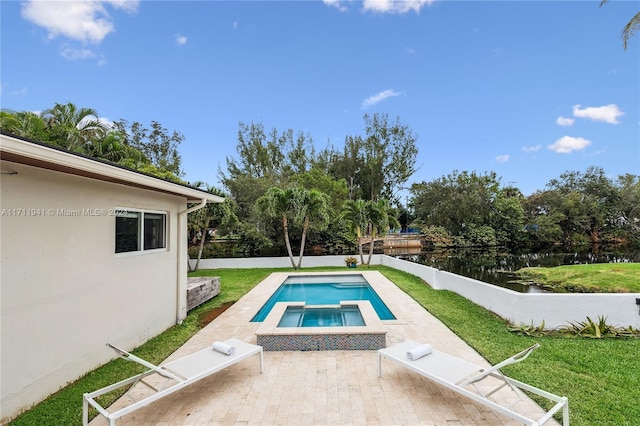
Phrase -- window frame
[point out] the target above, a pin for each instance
(141, 236)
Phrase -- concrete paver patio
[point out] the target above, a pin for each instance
(322, 387)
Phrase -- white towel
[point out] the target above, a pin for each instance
(419, 351)
(223, 348)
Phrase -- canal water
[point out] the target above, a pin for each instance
(497, 267)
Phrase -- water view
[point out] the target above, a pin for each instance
(498, 267)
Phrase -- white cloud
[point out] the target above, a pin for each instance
(564, 121)
(503, 158)
(382, 6)
(534, 148)
(608, 113)
(337, 4)
(73, 54)
(395, 6)
(374, 99)
(181, 40)
(568, 144)
(130, 6)
(85, 21)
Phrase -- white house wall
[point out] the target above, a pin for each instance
(65, 293)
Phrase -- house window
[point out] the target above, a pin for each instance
(154, 231)
(140, 231)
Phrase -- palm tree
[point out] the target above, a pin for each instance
(629, 29)
(296, 206)
(275, 203)
(207, 219)
(111, 148)
(314, 210)
(355, 214)
(381, 217)
(74, 128)
(26, 124)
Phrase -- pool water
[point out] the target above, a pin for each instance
(343, 316)
(325, 290)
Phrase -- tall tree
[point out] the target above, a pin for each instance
(587, 202)
(627, 216)
(264, 160)
(508, 217)
(381, 217)
(269, 155)
(313, 208)
(157, 147)
(276, 203)
(206, 220)
(377, 164)
(458, 201)
(295, 206)
(354, 213)
(371, 218)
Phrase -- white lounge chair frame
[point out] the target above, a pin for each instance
(463, 377)
(179, 374)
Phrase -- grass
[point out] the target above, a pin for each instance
(597, 277)
(600, 377)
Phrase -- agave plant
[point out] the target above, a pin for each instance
(599, 329)
(589, 328)
(528, 330)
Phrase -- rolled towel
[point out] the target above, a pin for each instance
(419, 351)
(223, 348)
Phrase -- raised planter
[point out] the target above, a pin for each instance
(201, 289)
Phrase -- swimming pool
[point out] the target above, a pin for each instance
(325, 290)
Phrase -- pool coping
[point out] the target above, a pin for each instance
(373, 324)
(371, 336)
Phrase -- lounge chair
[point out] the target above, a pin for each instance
(177, 374)
(465, 378)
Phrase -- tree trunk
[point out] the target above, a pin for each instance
(189, 268)
(304, 238)
(360, 249)
(373, 239)
(285, 225)
(202, 238)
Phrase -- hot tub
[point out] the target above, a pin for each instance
(351, 325)
(322, 316)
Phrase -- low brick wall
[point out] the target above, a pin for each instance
(201, 289)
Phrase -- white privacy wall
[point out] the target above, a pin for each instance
(554, 309)
(65, 293)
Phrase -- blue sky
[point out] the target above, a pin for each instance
(528, 89)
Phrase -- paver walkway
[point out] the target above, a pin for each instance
(321, 387)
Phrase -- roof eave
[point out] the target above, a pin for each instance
(21, 151)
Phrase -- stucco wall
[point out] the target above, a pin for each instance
(554, 309)
(65, 292)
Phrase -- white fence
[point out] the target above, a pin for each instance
(555, 309)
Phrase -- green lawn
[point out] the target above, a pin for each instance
(601, 377)
(597, 277)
